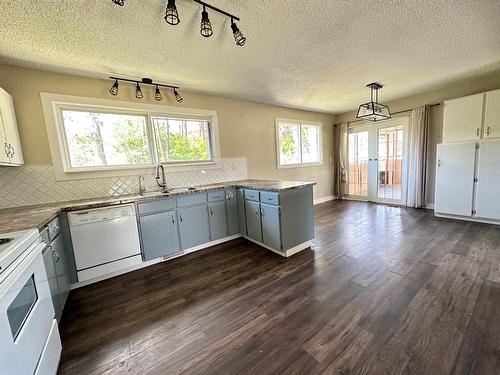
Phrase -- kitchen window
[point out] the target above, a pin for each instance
(299, 143)
(94, 135)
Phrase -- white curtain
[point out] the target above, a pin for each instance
(417, 157)
(341, 167)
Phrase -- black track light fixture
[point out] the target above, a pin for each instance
(171, 14)
(206, 26)
(119, 2)
(114, 89)
(158, 94)
(138, 91)
(239, 38)
(178, 97)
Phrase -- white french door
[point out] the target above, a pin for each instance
(377, 161)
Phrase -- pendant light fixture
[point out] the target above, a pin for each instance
(177, 96)
(171, 14)
(145, 81)
(206, 26)
(239, 38)
(114, 89)
(158, 94)
(373, 110)
(206, 30)
(138, 91)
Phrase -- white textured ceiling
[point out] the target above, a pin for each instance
(312, 54)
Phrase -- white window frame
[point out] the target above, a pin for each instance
(319, 125)
(54, 104)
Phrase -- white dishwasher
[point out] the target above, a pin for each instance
(105, 241)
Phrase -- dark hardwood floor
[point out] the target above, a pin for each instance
(384, 290)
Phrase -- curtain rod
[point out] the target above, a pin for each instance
(392, 113)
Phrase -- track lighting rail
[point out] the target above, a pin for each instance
(232, 16)
(145, 81)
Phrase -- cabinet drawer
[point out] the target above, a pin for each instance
(216, 195)
(270, 198)
(252, 195)
(191, 199)
(156, 206)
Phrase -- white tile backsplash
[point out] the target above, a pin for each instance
(36, 184)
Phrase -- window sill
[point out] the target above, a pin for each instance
(300, 165)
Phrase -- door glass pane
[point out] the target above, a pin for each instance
(20, 308)
(390, 163)
(358, 164)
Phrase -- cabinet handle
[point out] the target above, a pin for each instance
(257, 212)
(211, 212)
(261, 211)
(477, 132)
(56, 255)
(173, 220)
(488, 130)
(11, 148)
(439, 163)
(7, 151)
(180, 217)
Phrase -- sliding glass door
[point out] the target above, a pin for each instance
(377, 161)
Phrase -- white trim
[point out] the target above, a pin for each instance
(53, 103)
(430, 206)
(154, 261)
(321, 130)
(286, 253)
(324, 199)
(467, 218)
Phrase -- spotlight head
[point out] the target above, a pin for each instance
(158, 94)
(178, 97)
(114, 89)
(138, 91)
(119, 2)
(171, 15)
(206, 26)
(239, 38)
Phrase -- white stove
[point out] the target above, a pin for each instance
(29, 336)
(12, 246)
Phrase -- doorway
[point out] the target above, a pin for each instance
(377, 155)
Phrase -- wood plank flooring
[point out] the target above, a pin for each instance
(384, 290)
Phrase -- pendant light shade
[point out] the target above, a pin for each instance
(158, 94)
(114, 89)
(239, 38)
(138, 91)
(206, 26)
(119, 2)
(373, 110)
(171, 15)
(178, 97)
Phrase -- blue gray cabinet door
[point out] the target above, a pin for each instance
(48, 260)
(232, 211)
(159, 235)
(240, 199)
(271, 226)
(61, 269)
(194, 226)
(218, 220)
(252, 214)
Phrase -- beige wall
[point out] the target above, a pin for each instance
(458, 89)
(245, 128)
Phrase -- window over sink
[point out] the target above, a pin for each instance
(93, 135)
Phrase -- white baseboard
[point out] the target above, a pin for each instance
(324, 199)
(430, 206)
(285, 253)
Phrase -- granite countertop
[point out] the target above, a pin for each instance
(37, 216)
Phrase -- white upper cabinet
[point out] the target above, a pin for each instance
(492, 115)
(11, 153)
(463, 118)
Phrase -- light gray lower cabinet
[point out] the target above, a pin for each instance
(252, 215)
(61, 269)
(232, 211)
(218, 220)
(271, 226)
(159, 235)
(240, 200)
(194, 227)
